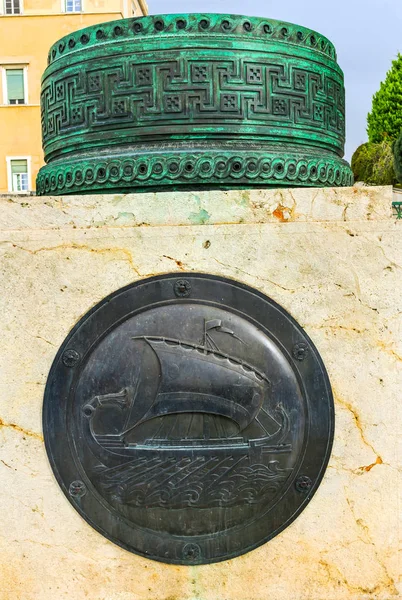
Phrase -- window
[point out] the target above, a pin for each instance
(12, 7)
(18, 174)
(73, 5)
(14, 92)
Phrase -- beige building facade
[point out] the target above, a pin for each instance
(27, 30)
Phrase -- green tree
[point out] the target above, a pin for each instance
(385, 120)
(398, 158)
(374, 164)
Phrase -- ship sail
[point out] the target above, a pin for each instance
(197, 379)
(183, 392)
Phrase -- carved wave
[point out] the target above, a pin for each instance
(201, 482)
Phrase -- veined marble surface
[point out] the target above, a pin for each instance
(332, 258)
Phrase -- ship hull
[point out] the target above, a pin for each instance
(175, 448)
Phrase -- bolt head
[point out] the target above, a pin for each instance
(182, 288)
(303, 484)
(77, 489)
(70, 358)
(300, 351)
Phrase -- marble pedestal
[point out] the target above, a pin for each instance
(332, 258)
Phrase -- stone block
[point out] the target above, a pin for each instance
(332, 258)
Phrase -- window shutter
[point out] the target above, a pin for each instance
(19, 166)
(15, 84)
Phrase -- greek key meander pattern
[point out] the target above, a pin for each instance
(181, 92)
(159, 26)
(125, 172)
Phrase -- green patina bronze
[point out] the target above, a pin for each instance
(192, 100)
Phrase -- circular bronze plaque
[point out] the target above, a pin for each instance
(188, 418)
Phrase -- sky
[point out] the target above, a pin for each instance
(367, 35)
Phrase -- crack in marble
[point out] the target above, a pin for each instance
(358, 422)
(338, 466)
(335, 575)
(255, 276)
(293, 208)
(367, 469)
(379, 247)
(27, 432)
(72, 246)
(355, 295)
(336, 327)
(179, 263)
(350, 294)
(363, 527)
(388, 349)
(39, 337)
(357, 282)
(35, 509)
(382, 345)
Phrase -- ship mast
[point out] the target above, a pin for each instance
(208, 341)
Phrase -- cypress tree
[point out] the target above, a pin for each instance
(385, 120)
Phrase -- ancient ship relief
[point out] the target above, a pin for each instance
(196, 429)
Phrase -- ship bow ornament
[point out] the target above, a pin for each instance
(193, 100)
(188, 422)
